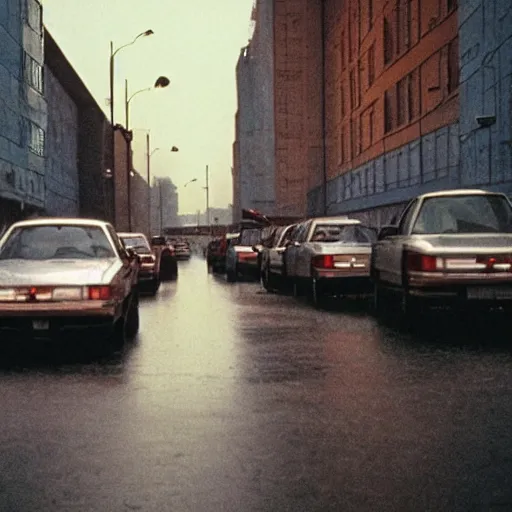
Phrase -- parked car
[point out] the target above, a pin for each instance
(330, 256)
(272, 265)
(241, 255)
(67, 277)
(166, 255)
(450, 248)
(149, 272)
(216, 252)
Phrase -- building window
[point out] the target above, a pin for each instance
(343, 147)
(352, 90)
(356, 140)
(388, 41)
(33, 72)
(343, 53)
(370, 13)
(34, 15)
(410, 97)
(451, 5)
(388, 111)
(401, 102)
(453, 65)
(371, 65)
(36, 138)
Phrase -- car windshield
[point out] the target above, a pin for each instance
(137, 243)
(464, 214)
(343, 233)
(57, 241)
(250, 237)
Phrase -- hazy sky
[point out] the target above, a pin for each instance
(196, 44)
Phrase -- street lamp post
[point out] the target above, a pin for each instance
(149, 154)
(160, 83)
(207, 189)
(113, 53)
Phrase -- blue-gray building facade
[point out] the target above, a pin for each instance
(23, 110)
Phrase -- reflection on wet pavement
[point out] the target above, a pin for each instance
(235, 399)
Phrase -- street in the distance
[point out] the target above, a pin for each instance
(235, 399)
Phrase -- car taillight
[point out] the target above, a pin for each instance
(324, 261)
(100, 293)
(423, 263)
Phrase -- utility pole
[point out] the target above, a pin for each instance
(148, 166)
(207, 188)
(113, 131)
(161, 206)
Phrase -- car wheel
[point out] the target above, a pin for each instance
(316, 294)
(266, 279)
(154, 286)
(410, 308)
(379, 300)
(132, 320)
(127, 325)
(231, 275)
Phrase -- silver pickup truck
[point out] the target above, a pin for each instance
(450, 248)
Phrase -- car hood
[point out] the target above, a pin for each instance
(57, 272)
(450, 244)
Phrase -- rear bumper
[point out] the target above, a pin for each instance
(80, 309)
(349, 285)
(17, 329)
(146, 276)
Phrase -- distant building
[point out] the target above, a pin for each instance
(139, 198)
(164, 204)
(23, 110)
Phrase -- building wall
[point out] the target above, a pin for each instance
(391, 109)
(22, 108)
(96, 192)
(61, 175)
(120, 179)
(298, 103)
(486, 89)
(139, 198)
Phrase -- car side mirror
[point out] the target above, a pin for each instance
(387, 231)
(131, 253)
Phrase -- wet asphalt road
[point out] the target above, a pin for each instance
(233, 399)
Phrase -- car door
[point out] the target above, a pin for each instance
(390, 251)
(129, 271)
(303, 261)
(293, 248)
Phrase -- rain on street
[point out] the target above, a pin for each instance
(238, 400)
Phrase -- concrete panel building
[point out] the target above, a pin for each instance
(22, 110)
(78, 149)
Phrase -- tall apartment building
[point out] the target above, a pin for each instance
(376, 101)
(23, 108)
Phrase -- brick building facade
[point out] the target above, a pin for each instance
(376, 101)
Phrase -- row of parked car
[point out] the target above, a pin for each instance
(450, 248)
(63, 278)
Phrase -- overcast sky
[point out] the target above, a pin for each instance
(196, 44)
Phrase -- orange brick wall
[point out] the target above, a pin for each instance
(390, 66)
(297, 103)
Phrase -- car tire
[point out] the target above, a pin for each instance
(154, 286)
(127, 326)
(266, 279)
(231, 275)
(315, 293)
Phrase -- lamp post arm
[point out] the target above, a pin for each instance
(138, 92)
(128, 44)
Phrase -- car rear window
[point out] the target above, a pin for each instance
(137, 243)
(57, 241)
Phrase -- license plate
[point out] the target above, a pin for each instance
(489, 293)
(41, 325)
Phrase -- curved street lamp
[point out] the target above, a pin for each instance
(191, 181)
(113, 53)
(160, 83)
